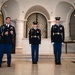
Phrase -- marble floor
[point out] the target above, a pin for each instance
(45, 66)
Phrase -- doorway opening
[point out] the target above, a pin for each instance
(42, 24)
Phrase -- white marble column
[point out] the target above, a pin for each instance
(25, 28)
(19, 33)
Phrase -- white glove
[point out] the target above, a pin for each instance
(52, 42)
(62, 43)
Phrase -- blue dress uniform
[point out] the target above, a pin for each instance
(7, 41)
(1, 46)
(35, 40)
(57, 37)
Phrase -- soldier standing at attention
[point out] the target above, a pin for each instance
(35, 40)
(8, 32)
(57, 38)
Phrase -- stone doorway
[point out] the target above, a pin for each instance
(42, 24)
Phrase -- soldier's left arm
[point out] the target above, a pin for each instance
(14, 33)
(52, 40)
(40, 36)
(63, 34)
(13, 30)
(30, 36)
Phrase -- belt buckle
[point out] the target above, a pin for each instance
(35, 36)
(58, 33)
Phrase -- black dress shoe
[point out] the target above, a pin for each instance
(34, 62)
(8, 65)
(56, 63)
(59, 63)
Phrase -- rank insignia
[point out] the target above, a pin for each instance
(37, 31)
(60, 28)
(11, 28)
(55, 27)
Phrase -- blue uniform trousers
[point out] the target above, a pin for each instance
(57, 51)
(35, 51)
(8, 49)
(1, 52)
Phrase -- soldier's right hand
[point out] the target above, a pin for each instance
(6, 33)
(52, 42)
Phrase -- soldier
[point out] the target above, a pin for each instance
(35, 40)
(8, 32)
(1, 46)
(57, 38)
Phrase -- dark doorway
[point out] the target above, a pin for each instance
(42, 24)
(72, 26)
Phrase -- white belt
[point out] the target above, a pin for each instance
(34, 36)
(56, 33)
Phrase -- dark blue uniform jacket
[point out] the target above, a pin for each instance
(57, 33)
(35, 36)
(7, 39)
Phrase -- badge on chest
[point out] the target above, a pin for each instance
(37, 31)
(11, 28)
(60, 28)
(55, 27)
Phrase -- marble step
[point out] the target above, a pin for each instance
(22, 56)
